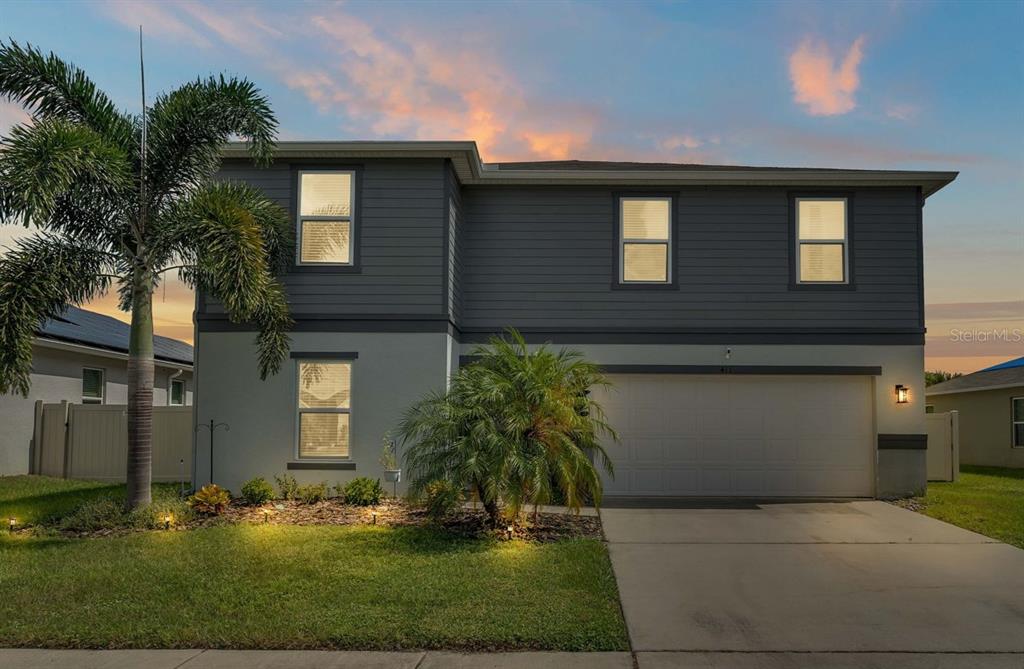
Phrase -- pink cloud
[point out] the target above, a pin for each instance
(155, 19)
(822, 87)
(12, 114)
(688, 142)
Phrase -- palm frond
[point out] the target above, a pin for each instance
(188, 127)
(54, 89)
(64, 176)
(39, 277)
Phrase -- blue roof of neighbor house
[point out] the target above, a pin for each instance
(78, 326)
(1009, 364)
(1007, 374)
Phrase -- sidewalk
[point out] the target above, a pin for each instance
(16, 658)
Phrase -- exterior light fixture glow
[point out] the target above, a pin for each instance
(11, 522)
(168, 519)
(902, 393)
(509, 532)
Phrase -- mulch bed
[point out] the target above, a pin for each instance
(547, 527)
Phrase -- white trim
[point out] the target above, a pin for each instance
(103, 353)
(844, 242)
(1014, 423)
(339, 410)
(623, 240)
(350, 219)
(103, 386)
(974, 390)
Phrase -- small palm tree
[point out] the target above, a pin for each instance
(120, 200)
(518, 427)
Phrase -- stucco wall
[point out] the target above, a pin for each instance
(57, 376)
(392, 371)
(985, 424)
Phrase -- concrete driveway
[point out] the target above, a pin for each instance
(718, 586)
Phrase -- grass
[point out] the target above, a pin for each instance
(986, 500)
(280, 586)
(35, 500)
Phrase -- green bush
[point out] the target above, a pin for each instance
(257, 491)
(312, 493)
(362, 491)
(107, 514)
(211, 499)
(288, 486)
(442, 498)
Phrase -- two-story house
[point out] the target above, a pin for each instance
(763, 327)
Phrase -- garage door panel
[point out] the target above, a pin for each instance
(740, 435)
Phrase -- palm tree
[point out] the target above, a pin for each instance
(518, 427)
(119, 201)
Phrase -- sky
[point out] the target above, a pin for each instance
(886, 85)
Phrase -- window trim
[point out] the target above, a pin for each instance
(1014, 423)
(326, 359)
(355, 230)
(170, 393)
(102, 399)
(618, 251)
(849, 282)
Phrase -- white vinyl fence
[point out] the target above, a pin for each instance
(943, 446)
(90, 441)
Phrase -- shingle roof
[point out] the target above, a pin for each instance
(999, 376)
(78, 326)
(612, 165)
(1009, 364)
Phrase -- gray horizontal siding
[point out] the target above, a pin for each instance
(542, 258)
(402, 241)
(456, 260)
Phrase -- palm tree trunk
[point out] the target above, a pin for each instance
(140, 393)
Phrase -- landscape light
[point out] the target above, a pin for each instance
(266, 515)
(902, 393)
(167, 521)
(374, 515)
(509, 531)
(11, 522)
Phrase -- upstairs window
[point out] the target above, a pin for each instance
(326, 218)
(93, 385)
(325, 409)
(177, 393)
(822, 256)
(645, 240)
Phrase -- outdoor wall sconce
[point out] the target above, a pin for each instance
(902, 392)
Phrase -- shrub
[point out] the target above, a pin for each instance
(526, 420)
(106, 513)
(442, 499)
(257, 491)
(211, 499)
(362, 491)
(288, 486)
(312, 493)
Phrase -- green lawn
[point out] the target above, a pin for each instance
(277, 586)
(986, 500)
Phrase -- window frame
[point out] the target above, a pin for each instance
(618, 252)
(355, 230)
(795, 283)
(170, 393)
(102, 399)
(323, 360)
(1014, 423)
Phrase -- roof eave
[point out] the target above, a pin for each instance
(471, 170)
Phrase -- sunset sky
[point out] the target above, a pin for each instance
(864, 85)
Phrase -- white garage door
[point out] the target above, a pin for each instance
(734, 435)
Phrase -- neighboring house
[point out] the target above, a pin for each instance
(81, 358)
(991, 407)
(756, 322)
